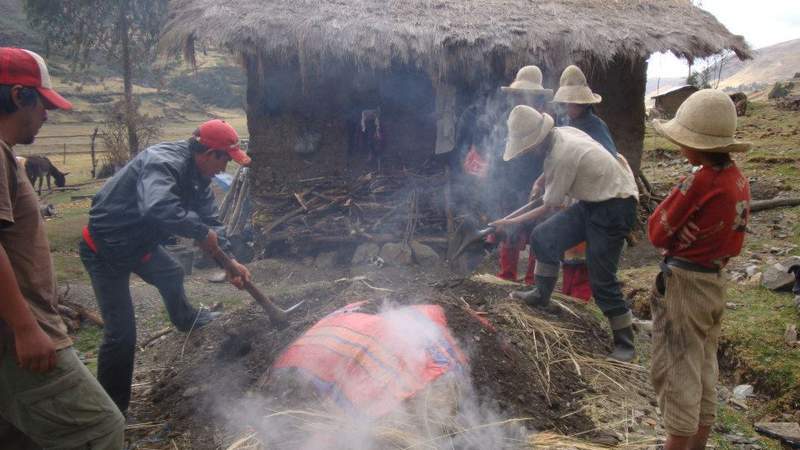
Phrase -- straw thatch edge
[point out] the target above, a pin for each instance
(444, 37)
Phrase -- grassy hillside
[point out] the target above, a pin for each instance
(178, 95)
(769, 64)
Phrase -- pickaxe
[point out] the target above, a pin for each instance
(276, 315)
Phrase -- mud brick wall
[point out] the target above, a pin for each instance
(304, 125)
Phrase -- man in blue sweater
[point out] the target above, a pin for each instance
(576, 100)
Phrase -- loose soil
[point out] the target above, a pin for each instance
(190, 377)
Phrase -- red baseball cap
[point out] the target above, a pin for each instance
(26, 68)
(219, 135)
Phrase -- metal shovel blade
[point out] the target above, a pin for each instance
(472, 238)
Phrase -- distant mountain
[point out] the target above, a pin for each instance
(769, 64)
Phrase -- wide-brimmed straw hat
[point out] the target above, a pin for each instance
(573, 88)
(705, 121)
(527, 128)
(528, 81)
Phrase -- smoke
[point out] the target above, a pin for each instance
(296, 411)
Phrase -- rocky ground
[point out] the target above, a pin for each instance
(571, 395)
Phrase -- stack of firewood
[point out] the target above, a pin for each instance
(74, 314)
(333, 210)
(234, 210)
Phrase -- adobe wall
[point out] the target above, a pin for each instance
(305, 125)
(622, 85)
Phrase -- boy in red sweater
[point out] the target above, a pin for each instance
(699, 227)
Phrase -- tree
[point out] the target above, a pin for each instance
(125, 32)
(699, 79)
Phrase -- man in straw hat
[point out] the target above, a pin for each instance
(699, 227)
(577, 166)
(576, 100)
(48, 399)
(512, 179)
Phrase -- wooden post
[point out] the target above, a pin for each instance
(94, 160)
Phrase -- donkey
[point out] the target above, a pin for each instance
(39, 168)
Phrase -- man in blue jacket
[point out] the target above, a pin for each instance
(164, 191)
(577, 100)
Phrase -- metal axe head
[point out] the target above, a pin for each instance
(294, 307)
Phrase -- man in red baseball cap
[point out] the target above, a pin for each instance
(163, 192)
(37, 363)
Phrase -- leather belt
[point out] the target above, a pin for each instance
(690, 266)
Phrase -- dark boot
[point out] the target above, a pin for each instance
(539, 296)
(622, 329)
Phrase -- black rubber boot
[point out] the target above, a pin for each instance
(622, 329)
(539, 296)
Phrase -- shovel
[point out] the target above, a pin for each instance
(478, 235)
(276, 315)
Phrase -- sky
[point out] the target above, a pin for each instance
(761, 22)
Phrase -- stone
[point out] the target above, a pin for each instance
(790, 336)
(736, 438)
(644, 325)
(756, 279)
(751, 270)
(723, 393)
(326, 260)
(191, 392)
(365, 253)
(424, 255)
(742, 391)
(217, 277)
(397, 254)
(777, 277)
(787, 432)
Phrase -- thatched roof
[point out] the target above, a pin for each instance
(446, 35)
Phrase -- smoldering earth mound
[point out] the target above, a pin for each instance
(214, 386)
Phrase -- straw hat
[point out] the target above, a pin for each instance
(705, 121)
(573, 88)
(527, 128)
(528, 81)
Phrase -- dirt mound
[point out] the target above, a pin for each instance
(522, 364)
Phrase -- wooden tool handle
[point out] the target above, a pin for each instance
(275, 314)
(535, 202)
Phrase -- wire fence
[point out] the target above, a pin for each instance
(74, 144)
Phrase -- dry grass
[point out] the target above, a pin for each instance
(447, 37)
(399, 431)
(545, 343)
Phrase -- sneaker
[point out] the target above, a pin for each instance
(204, 317)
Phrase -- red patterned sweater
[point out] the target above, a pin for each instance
(717, 200)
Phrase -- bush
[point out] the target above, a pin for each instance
(780, 90)
(115, 135)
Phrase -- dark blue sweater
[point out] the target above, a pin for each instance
(594, 126)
